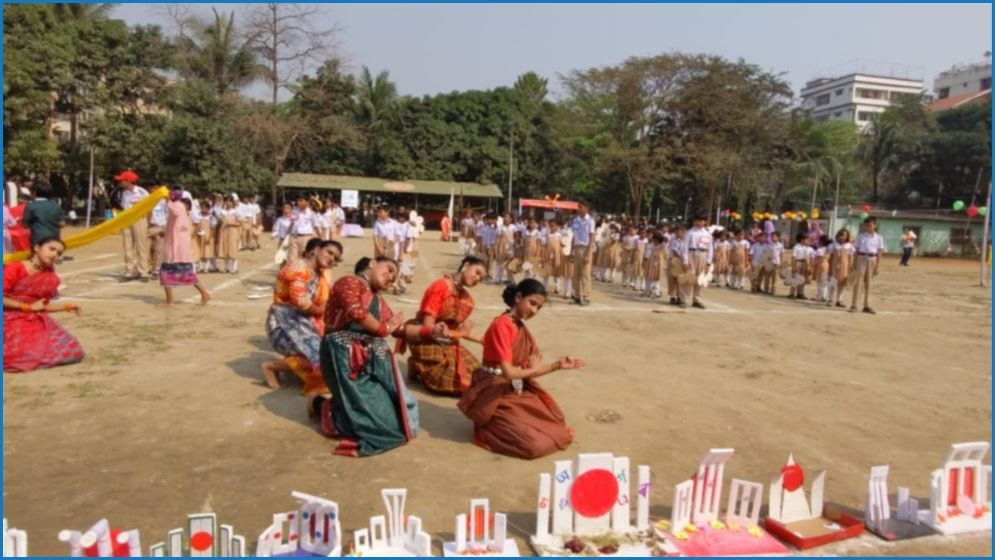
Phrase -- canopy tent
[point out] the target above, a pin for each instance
(547, 204)
(312, 182)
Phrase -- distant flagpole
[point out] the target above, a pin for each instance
(451, 200)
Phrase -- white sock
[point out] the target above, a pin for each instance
(500, 270)
(569, 287)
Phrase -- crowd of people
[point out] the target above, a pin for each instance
(334, 334)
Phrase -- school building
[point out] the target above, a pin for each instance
(943, 233)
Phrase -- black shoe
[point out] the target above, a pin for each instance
(682, 305)
(144, 279)
(870, 311)
(673, 301)
(838, 304)
(698, 305)
(127, 279)
(791, 296)
(803, 298)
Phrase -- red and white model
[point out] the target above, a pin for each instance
(473, 533)
(959, 500)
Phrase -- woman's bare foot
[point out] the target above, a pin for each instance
(204, 298)
(272, 375)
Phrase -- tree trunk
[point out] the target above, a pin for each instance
(874, 183)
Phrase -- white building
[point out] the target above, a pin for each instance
(855, 97)
(963, 79)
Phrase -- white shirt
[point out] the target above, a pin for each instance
(243, 211)
(870, 243)
(160, 215)
(909, 240)
(130, 198)
(583, 230)
(337, 216)
(698, 241)
(802, 252)
(385, 230)
(675, 248)
(488, 235)
(304, 222)
(775, 249)
(846, 248)
(281, 228)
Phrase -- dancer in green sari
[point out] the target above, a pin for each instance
(370, 411)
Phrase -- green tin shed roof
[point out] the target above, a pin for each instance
(374, 184)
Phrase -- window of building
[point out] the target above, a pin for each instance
(986, 83)
(945, 92)
(822, 99)
(837, 114)
(960, 236)
(865, 115)
(839, 91)
(865, 93)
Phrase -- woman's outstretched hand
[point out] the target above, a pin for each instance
(569, 362)
(440, 330)
(395, 322)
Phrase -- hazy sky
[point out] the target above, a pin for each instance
(437, 48)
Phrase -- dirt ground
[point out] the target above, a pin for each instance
(167, 416)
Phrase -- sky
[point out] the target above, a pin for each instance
(439, 48)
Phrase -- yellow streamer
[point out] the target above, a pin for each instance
(122, 220)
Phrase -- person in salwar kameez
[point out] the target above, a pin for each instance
(511, 413)
(295, 322)
(370, 410)
(177, 268)
(443, 364)
(31, 338)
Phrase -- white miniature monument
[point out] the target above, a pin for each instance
(203, 539)
(15, 542)
(696, 528)
(593, 502)
(959, 498)
(101, 541)
(479, 542)
(878, 519)
(313, 530)
(388, 536)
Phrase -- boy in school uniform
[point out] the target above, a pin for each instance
(675, 266)
(698, 255)
(772, 262)
(801, 264)
(869, 246)
(488, 234)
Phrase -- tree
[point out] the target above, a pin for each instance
(879, 151)
(533, 86)
(375, 106)
(216, 54)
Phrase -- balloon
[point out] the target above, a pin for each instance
(959, 205)
(867, 208)
(798, 217)
(972, 211)
(864, 215)
(982, 211)
(815, 214)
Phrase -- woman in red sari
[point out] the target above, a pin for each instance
(370, 410)
(511, 413)
(31, 338)
(441, 363)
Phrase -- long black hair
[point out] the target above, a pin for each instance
(364, 263)
(470, 261)
(527, 287)
(318, 244)
(48, 239)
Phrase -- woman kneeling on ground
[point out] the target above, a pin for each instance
(295, 322)
(31, 338)
(511, 413)
(370, 410)
(440, 362)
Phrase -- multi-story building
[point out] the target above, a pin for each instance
(963, 79)
(854, 97)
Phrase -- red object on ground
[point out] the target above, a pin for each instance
(794, 477)
(850, 527)
(201, 541)
(120, 550)
(594, 493)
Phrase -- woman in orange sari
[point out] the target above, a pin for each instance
(295, 321)
(443, 364)
(511, 413)
(31, 338)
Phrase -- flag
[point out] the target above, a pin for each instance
(450, 211)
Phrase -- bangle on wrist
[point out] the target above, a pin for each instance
(425, 333)
(382, 329)
(25, 307)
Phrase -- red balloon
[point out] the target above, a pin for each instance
(119, 550)
(594, 493)
(972, 211)
(794, 477)
(867, 208)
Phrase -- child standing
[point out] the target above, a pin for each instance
(801, 266)
(841, 254)
(821, 269)
(533, 250)
(637, 259)
(739, 259)
(204, 222)
(658, 255)
(675, 266)
(722, 247)
(698, 255)
(231, 234)
(870, 246)
(554, 257)
(629, 242)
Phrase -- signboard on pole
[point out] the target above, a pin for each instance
(350, 199)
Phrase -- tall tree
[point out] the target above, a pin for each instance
(219, 55)
(376, 103)
(533, 86)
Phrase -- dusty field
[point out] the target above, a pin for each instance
(166, 415)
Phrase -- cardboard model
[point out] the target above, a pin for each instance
(877, 516)
(696, 528)
(203, 538)
(959, 500)
(591, 510)
(15, 542)
(388, 536)
(473, 533)
(312, 530)
(805, 526)
(102, 541)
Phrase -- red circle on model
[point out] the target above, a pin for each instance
(201, 541)
(794, 477)
(594, 493)
(118, 550)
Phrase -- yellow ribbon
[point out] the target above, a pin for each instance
(124, 219)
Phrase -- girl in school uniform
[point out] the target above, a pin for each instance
(637, 260)
(568, 263)
(841, 262)
(533, 251)
(629, 241)
(675, 266)
(801, 266)
(231, 230)
(739, 259)
(820, 266)
(553, 257)
(655, 272)
(614, 240)
(204, 225)
(721, 274)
